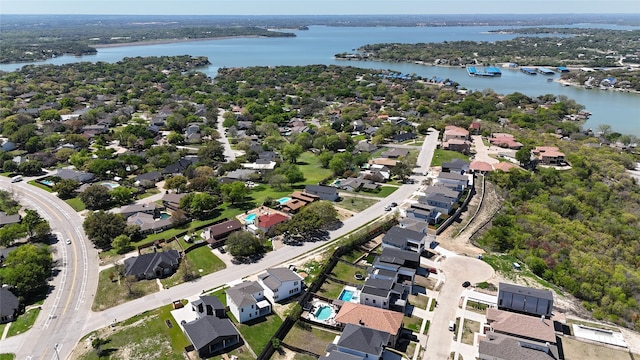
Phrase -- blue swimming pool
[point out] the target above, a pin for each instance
(346, 295)
(110, 185)
(249, 219)
(324, 312)
(47, 182)
(283, 200)
(164, 215)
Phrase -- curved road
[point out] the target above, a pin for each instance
(67, 308)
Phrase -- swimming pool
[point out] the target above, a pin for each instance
(164, 215)
(284, 200)
(249, 219)
(47, 182)
(346, 295)
(324, 312)
(110, 185)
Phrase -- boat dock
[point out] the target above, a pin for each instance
(528, 71)
(563, 69)
(545, 71)
(487, 72)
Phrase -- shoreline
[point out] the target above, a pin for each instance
(171, 41)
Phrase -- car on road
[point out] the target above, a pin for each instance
(393, 204)
(68, 241)
(466, 284)
(387, 208)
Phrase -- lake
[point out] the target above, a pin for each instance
(319, 44)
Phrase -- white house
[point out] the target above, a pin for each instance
(246, 301)
(280, 284)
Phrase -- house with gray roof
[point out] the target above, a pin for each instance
(148, 179)
(149, 223)
(405, 239)
(9, 305)
(9, 219)
(361, 341)
(454, 180)
(323, 192)
(247, 302)
(209, 306)
(153, 265)
(82, 177)
(423, 212)
(148, 208)
(280, 283)
(384, 294)
(525, 300)
(210, 335)
(496, 346)
(456, 166)
(440, 202)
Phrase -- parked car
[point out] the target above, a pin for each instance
(466, 284)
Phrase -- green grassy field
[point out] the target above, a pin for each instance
(111, 293)
(24, 322)
(355, 203)
(201, 261)
(440, 156)
(310, 167)
(76, 204)
(7, 356)
(259, 333)
(305, 336)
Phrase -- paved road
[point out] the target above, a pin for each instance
(67, 308)
(229, 153)
(457, 269)
(426, 153)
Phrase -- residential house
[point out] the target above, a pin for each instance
(172, 200)
(209, 306)
(192, 134)
(480, 167)
(216, 234)
(247, 302)
(149, 208)
(358, 125)
(280, 284)
(404, 239)
(82, 177)
(261, 165)
(211, 335)
(549, 155)
(153, 265)
(148, 180)
(178, 167)
(505, 141)
(365, 146)
(461, 146)
(322, 192)
(9, 305)
(475, 127)
(149, 223)
(401, 262)
(402, 137)
(521, 326)
(292, 206)
(440, 203)
(241, 174)
(395, 153)
(382, 162)
(306, 197)
(495, 346)
(441, 189)
(456, 166)
(361, 341)
(267, 221)
(455, 181)
(9, 219)
(455, 132)
(397, 120)
(526, 300)
(385, 294)
(373, 318)
(424, 212)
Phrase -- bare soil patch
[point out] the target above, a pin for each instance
(580, 350)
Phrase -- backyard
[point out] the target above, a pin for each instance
(310, 338)
(346, 273)
(117, 291)
(469, 328)
(441, 156)
(310, 166)
(330, 289)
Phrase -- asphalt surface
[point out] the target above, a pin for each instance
(66, 314)
(68, 306)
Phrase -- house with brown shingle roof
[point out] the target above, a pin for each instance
(521, 326)
(371, 317)
(549, 155)
(454, 132)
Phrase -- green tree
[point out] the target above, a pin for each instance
(243, 244)
(66, 188)
(292, 152)
(401, 171)
(326, 212)
(9, 166)
(178, 183)
(211, 153)
(96, 197)
(31, 220)
(30, 168)
(524, 156)
(122, 243)
(102, 227)
(278, 181)
(27, 269)
(234, 192)
(11, 233)
(50, 115)
(198, 205)
(121, 195)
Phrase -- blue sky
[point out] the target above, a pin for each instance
(314, 7)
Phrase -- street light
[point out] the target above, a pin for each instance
(55, 347)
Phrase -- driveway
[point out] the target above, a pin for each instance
(457, 269)
(483, 152)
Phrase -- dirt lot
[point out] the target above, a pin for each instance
(579, 350)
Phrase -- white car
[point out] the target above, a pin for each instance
(68, 241)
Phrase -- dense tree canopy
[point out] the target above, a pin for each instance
(102, 227)
(27, 269)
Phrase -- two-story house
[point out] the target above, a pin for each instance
(405, 239)
(247, 302)
(280, 284)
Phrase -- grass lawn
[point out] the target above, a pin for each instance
(330, 289)
(468, 329)
(76, 203)
(311, 168)
(477, 307)
(412, 323)
(575, 349)
(440, 156)
(347, 272)
(24, 322)
(148, 193)
(356, 203)
(201, 260)
(2, 326)
(419, 301)
(259, 333)
(352, 255)
(112, 293)
(144, 336)
(7, 356)
(307, 337)
(41, 186)
(261, 192)
(383, 193)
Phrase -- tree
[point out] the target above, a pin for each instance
(11, 233)
(102, 227)
(122, 243)
(121, 195)
(327, 214)
(234, 192)
(292, 172)
(31, 220)
(178, 183)
(27, 269)
(401, 171)
(66, 188)
(9, 166)
(524, 156)
(292, 152)
(96, 197)
(338, 166)
(277, 181)
(211, 153)
(198, 205)
(243, 244)
(30, 168)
